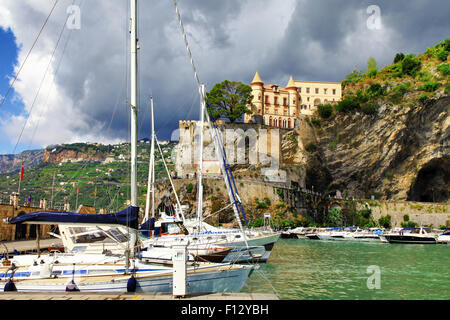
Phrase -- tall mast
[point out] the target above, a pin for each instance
(151, 169)
(200, 165)
(133, 97)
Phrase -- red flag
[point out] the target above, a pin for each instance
(21, 173)
(95, 193)
(78, 190)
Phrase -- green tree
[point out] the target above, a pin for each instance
(372, 67)
(334, 217)
(229, 99)
(399, 57)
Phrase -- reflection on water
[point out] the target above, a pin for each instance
(309, 269)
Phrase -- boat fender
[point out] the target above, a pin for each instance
(10, 286)
(72, 287)
(131, 284)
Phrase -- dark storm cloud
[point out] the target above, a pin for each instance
(310, 40)
(408, 26)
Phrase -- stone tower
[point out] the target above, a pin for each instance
(258, 96)
(293, 98)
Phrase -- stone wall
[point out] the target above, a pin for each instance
(8, 231)
(245, 144)
(425, 213)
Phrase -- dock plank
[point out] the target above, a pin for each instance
(128, 296)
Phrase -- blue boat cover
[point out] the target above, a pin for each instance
(127, 217)
(147, 226)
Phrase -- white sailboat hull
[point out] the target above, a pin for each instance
(212, 280)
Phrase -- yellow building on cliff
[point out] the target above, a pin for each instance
(280, 107)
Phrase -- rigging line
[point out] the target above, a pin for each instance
(40, 85)
(187, 44)
(53, 84)
(28, 54)
(219, 150)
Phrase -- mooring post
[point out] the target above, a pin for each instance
(179, 258)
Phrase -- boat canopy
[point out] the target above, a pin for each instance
(127, 217)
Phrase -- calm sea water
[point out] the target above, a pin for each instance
(337, 270)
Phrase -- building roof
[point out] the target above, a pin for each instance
(257, 78)
(291, 83)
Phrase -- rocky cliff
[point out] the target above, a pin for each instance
(13, 163)
(400, 153)
(76, 152)
(389, 136)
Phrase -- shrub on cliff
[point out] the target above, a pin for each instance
(411, 66)
(442, 55)
(370, 108)
(444, 69)
(430, 86)
(375, 89)
(385, 222)
(347, 104)
(311, 147)
(325, 110)
(399, 57)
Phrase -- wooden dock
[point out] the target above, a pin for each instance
(74, 296)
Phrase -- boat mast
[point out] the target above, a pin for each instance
(151, 170)
(133, 103)
(200, 166)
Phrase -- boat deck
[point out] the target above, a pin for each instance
(131, 296)
(27, 246)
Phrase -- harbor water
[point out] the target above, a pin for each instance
(346, 270)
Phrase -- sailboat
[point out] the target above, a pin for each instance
(248, 246)
(78, 271)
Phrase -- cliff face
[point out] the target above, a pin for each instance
(402, 152)
(13, 163)
(71, 155)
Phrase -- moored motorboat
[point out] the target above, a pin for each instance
(411, 235)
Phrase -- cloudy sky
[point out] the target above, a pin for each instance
(74, 85)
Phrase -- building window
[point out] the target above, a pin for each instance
(275, 100)
(307, 90)
(284, 101)
(270, 121)
(307, 99)
(275, 122)
(259, 98)
(325, 91)
(317, 90)
(334, 91)
(289, 123)
(279, 122)
(284, 123)
(266, 99)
